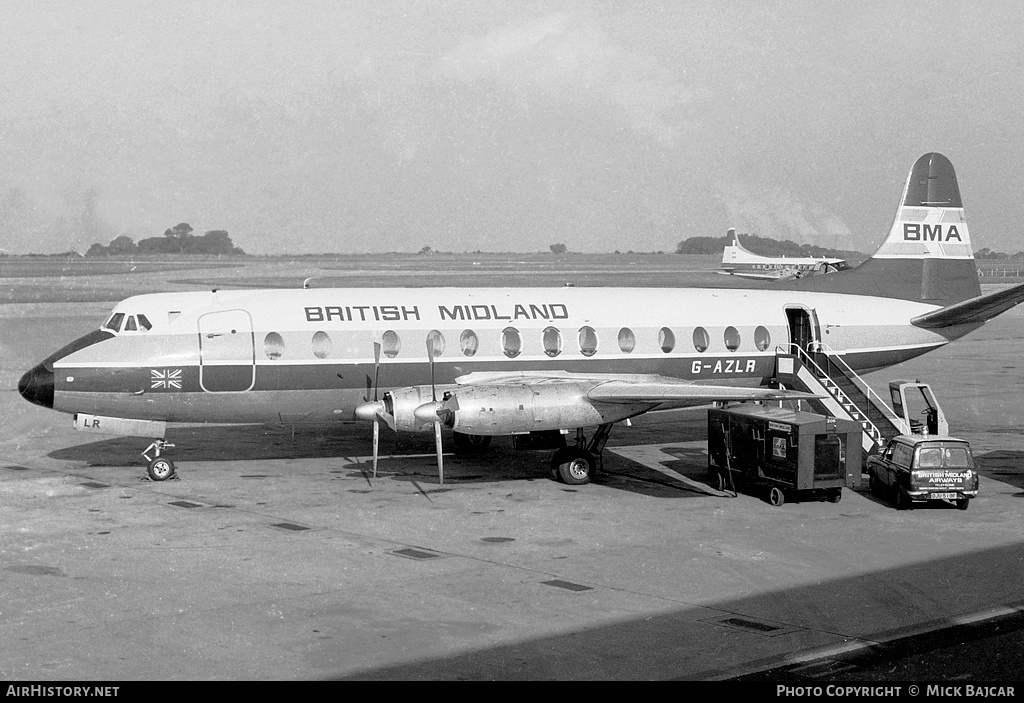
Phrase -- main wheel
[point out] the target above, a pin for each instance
(776, 497)
(558, 458)
(835, 495)
(575, 467)
(471, 443)
(962, 503)
(873, 483)
(160, 469)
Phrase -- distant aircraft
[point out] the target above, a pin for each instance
(542, 362)
(737, 261)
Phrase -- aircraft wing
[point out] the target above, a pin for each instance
(634, 388)
(776, 275)
(675, 391)
(974, 310)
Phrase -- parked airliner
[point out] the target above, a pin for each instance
(515, 361)
(738, 261)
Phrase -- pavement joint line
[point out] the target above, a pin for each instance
(987, 614)
(826, 652)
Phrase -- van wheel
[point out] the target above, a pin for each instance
(962, 503)
(776, 497)
(835, 496)
(872, 483)
(902, 500)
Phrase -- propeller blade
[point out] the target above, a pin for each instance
(376, 368)
(430, 358)
(440, 459)
(437, 423)
(376, 442)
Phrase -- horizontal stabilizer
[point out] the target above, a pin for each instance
(972, 311)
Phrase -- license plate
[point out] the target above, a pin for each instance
(944, 496)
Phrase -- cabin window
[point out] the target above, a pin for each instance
(666, 339)
(732, 338)
(552, 340)
(701, 340)
(322, 345)
(391, 344)
(469, 342)
(511, 342)
(129, 325)
(144, 323)
(273, 345)
(588, 341)
(627, 340)
(114, 322)
(762, 339)
(436, 341)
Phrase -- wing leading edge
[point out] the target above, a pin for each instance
(633, 388)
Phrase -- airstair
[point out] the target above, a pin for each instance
(843, 393)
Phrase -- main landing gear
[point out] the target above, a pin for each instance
(159, 468)
(576, 465)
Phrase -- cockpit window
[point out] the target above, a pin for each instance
(131, 323)
(113, 323)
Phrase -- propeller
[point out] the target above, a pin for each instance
(376, 415)
(437, 420)
(372, 410)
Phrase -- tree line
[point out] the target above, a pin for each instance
(176, 240)
(763, 246)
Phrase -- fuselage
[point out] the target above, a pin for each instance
(314, 355)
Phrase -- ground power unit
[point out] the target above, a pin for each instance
(782, 453)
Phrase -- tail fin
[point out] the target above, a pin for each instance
(927, 256)
(733, 251)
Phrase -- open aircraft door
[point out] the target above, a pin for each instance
(227, 352)
(803, 328)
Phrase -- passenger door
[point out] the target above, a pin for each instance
(227, 352)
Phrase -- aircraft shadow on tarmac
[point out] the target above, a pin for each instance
(403, 457)
(670, 645)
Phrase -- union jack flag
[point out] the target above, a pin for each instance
(165, 379)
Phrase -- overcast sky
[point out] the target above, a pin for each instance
(367, 125)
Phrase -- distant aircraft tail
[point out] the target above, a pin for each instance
(927, 256)
(735, 252)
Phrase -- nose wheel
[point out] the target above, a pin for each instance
(159, 468)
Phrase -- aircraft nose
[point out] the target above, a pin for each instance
(36, 386)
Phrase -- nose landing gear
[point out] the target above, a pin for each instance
(159, 468)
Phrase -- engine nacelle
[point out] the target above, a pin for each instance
(401, 405)
(513, 409)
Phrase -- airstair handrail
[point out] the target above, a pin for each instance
(837, 359)
(806, 359)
